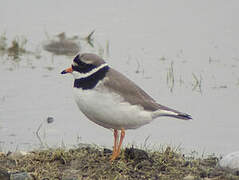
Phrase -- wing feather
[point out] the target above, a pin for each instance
(131, 92)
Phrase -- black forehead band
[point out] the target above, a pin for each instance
(77, 59)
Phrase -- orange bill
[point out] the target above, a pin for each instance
(68, 70)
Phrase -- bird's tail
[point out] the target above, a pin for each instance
(165, 111)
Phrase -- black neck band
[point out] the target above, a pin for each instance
(92, 80)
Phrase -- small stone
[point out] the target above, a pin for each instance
(21, 176)
(188, 177)
(50, 120)
(70, 174)
(17, 154)
(107, 151)
(186, 164)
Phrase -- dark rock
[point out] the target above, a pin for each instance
(237, 173)
(203, 174)
(107, 151)
(136, 154)
(187, 163)
(4, 175)
(50, 120)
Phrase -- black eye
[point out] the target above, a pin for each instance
(82, 67)
(78, 63)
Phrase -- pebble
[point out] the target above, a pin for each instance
(17, 154)
(230, 161)
(50, 120)
(189, 177)
(21, 176)
(4, 175)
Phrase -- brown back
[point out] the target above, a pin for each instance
(129, 90)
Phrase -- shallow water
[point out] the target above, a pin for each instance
(200, 38)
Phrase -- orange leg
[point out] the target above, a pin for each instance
(116, 138)
(122, 135)
(117, 152)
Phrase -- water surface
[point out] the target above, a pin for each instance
(144, 38)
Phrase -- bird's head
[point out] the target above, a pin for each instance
(84, 65)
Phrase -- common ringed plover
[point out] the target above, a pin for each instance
(111, 100)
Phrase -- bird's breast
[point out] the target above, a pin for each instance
(109, 109)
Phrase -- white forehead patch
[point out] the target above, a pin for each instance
(74, 64)
(78, 75)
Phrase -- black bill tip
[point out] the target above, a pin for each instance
(64, 72)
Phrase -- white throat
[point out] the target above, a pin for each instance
(78, 75)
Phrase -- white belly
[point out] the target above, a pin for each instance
(109, 110)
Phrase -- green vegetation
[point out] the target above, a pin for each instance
(89, 39)
(170, 77)
(3, 42)
(13, 50)
(16, 49)
(197, 85)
